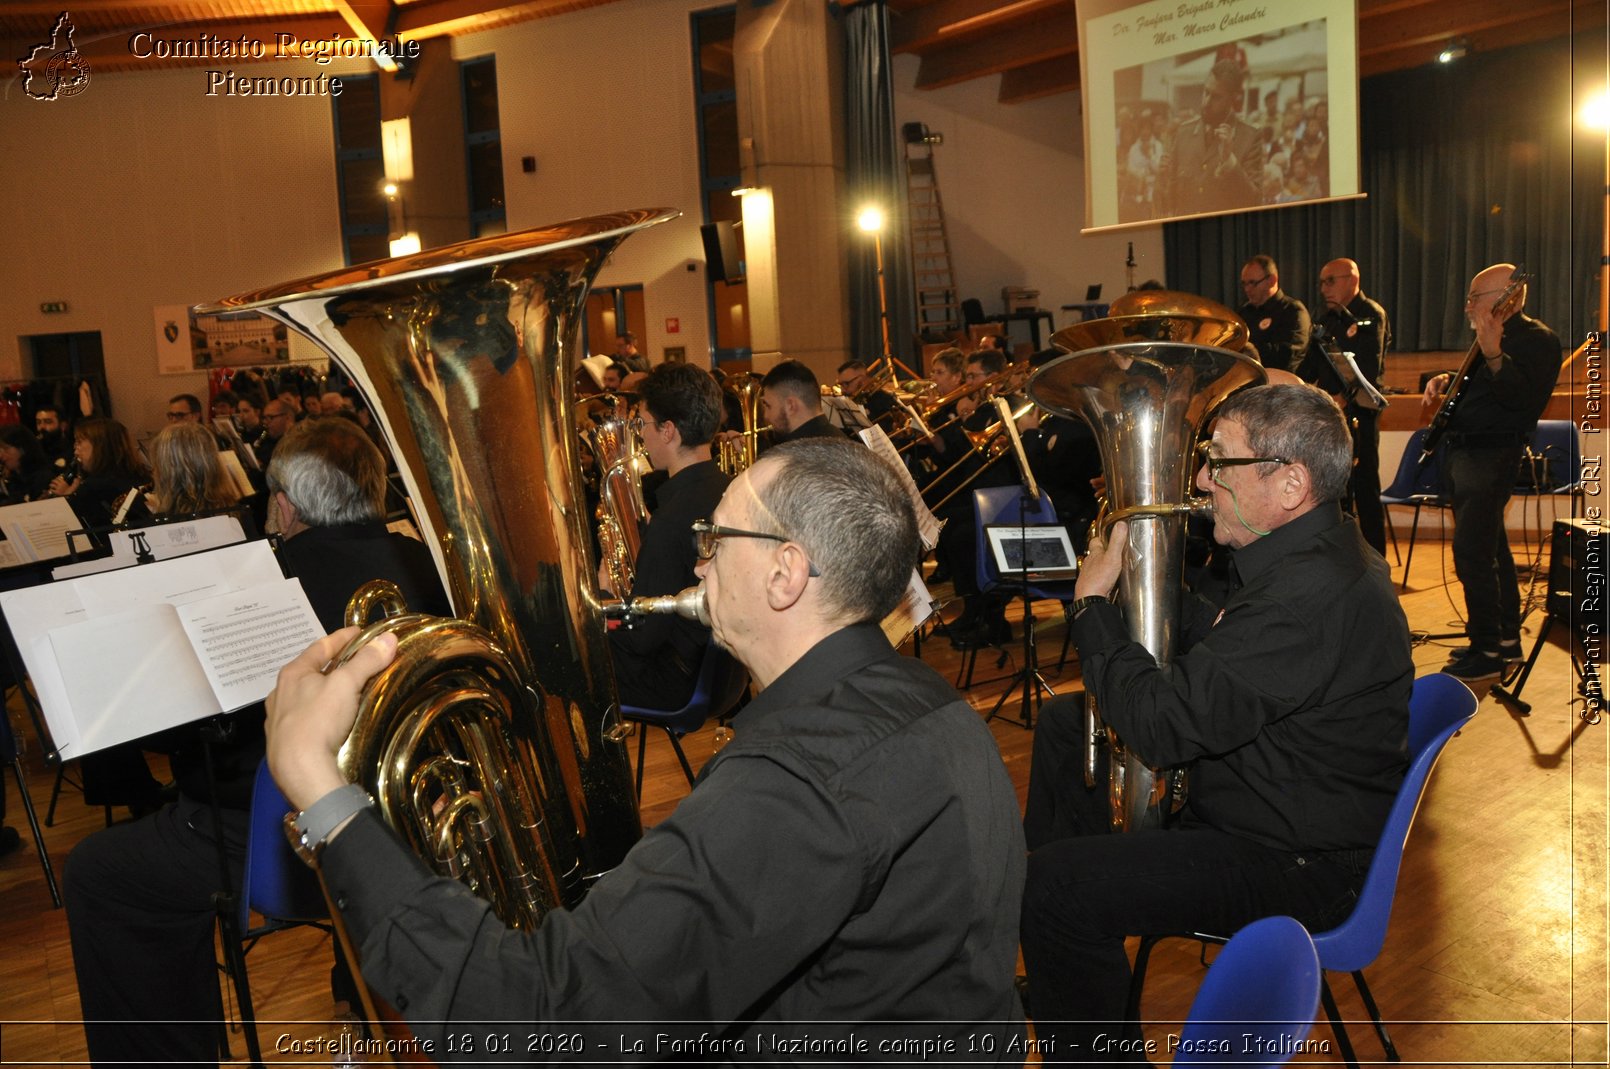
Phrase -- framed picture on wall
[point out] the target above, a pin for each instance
(187, 342)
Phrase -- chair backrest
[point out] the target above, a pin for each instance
(716, 689)
(1263, 984)
(1556, 464)
(1002, 504)
(275, 882)
(1439, 706)
(1412, 479)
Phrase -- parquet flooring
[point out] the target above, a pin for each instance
(1496, 954)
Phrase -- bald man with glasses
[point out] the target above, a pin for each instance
(1277, 323)
(1290, 708)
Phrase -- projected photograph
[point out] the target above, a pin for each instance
(1242, 125)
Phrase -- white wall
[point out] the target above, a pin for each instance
(1012, 181)
(603, 98)
(142, 191)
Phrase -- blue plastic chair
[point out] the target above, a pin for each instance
(720, 684)
(1262, 992)
(1416, 488)
(1553, 460)
(1439, 706)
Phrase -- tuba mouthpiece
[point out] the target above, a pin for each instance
(690, 604)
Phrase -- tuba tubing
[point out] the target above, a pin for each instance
(493, 744)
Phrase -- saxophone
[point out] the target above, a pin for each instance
(493, 743)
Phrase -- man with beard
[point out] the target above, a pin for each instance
(1214, 162)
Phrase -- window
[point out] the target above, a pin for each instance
(483, 146)
(360, 170)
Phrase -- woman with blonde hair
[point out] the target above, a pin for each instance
(187, 474)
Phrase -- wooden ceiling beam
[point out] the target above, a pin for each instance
(449, 18)
(1043, 39)
(1437, 25)
(1586, 15)
(952, 21)
(1045, 78)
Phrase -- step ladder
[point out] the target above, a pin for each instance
(939, 313)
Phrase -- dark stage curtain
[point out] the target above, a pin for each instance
(874, 169)
(1465, 165)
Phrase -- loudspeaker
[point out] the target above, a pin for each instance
(1576, 593)
(723, 253)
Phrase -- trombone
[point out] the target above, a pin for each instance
(992, 442)
(1014, 374)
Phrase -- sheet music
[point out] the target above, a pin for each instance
(35, 531)
(912, 612)
(927, 525)
(162, 542)
(34, 613)
(245, 637)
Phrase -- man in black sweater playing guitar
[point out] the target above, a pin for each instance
(1492, 406)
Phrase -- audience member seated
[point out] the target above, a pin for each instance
(25, 470)
(657, 659)
(139, 895)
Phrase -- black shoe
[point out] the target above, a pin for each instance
(1509, 652)
(9, 841)
(1473, 666)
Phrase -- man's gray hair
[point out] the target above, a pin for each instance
(1299, 423)
(840, 501)
(331, 472)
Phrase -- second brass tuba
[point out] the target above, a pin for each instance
(1147, 384)
(493, 743)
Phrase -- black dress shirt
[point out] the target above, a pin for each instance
(854, 854)
(1293, 709)
(815, 427)
(1510, 400)
(657, 659)
(1278, 329)
(1361, 329)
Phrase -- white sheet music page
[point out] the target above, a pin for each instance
(36, 530)
(245, 637)
(927, 525)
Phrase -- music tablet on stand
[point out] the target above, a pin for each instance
(1045, 547)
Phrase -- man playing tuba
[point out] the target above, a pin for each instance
(853, 855)
(1290, 709)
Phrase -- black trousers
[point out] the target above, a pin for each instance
(1480, 482)
(1086, 893)
(140, 915)
(1365, 485)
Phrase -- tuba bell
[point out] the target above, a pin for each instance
(617, 449)
(493, 743)
(1146, 384)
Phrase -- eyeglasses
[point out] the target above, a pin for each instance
(1331, 280)
(175, 417)
(637, 423)
(1248, 283)
(707, 534)
(1215, 463)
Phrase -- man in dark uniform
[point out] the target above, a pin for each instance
(657, 659)
(859, 386)
(1213, 163)
(791, 404)
(1357, 325)
(1496, 411)
(1277, 323)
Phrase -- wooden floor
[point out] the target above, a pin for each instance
(1496, 954)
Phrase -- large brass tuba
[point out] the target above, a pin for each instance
(1146, 384)
(493, 743)
(617, 451)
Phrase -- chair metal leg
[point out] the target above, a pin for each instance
(55, 793)
(676, 744)
(1375, 1016)
(1343, 1044)
(1137, 975)
(1392, 532)
(235, 965)
(642, 745)
(1414, 529)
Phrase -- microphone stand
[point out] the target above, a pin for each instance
(1028, 676)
